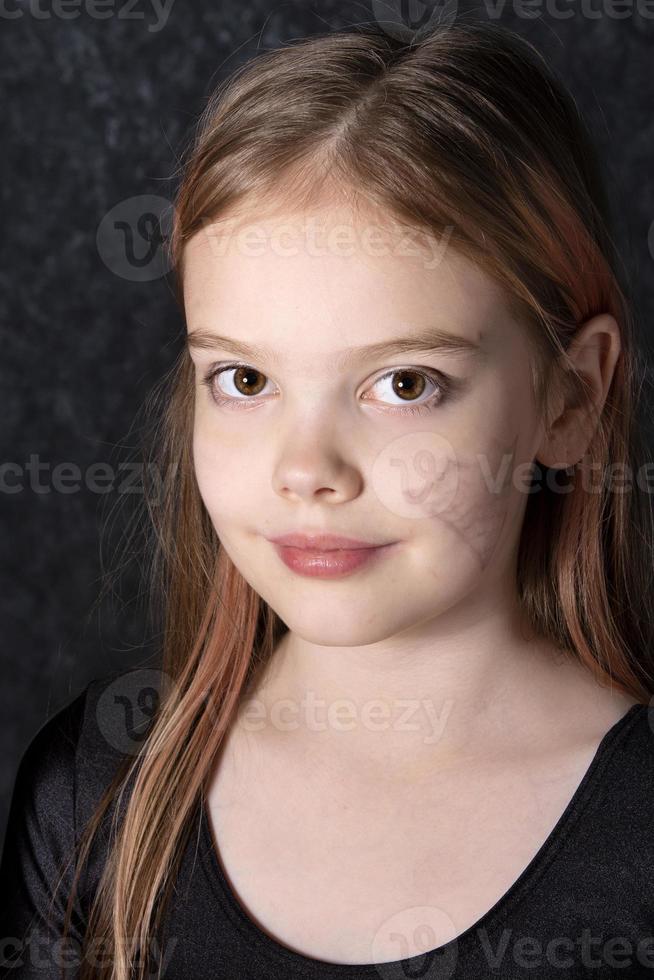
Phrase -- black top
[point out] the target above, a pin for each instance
(583, 907)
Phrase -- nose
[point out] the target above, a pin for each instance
(310, 468)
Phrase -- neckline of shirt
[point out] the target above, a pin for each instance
(525, 881)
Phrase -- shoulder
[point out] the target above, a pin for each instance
(47, 780)
(60, 779)
(73, 757)
(633, 737)
(70, 741)
(627, 776)
(44, 783)
(40, 834)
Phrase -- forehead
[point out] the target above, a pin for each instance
(339, 270)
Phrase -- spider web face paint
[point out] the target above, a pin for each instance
(420, 476)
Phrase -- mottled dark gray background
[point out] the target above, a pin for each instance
(94, 112)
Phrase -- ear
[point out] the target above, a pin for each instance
(594, 351)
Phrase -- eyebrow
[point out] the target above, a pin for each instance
(431, 340)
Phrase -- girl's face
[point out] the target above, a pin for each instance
(424, 446)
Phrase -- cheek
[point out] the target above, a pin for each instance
(225, 474)
(462, 490)
(479, 511)
(483, 498)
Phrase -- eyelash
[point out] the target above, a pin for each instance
(444, 382)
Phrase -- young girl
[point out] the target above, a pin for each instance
(403, 556)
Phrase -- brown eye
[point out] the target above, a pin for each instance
(248, 381)
(235, 385)
(422, 391)
(408, 384)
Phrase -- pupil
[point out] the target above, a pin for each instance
(405, 389)
(241, 380)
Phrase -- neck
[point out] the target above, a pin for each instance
(428, 695)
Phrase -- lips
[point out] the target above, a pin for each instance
(322, 542)
(327, 555)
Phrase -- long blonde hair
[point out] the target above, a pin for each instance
(463, 128)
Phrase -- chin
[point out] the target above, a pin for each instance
(324, 625)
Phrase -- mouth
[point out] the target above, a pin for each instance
(324, 542)
(329, 561)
